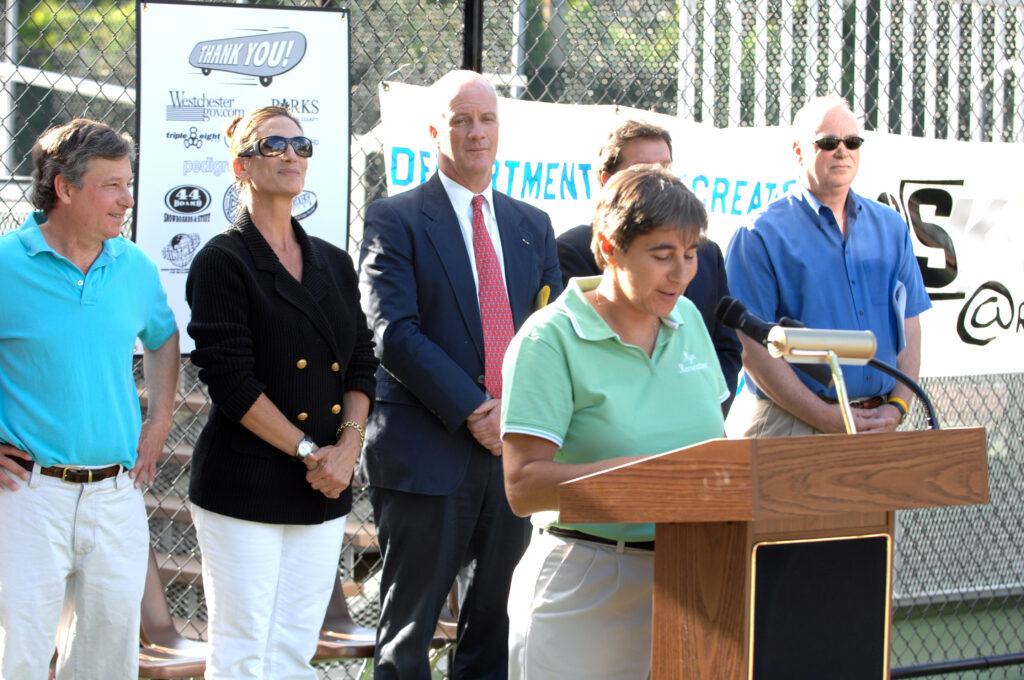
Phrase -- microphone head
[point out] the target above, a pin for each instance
(730, 311)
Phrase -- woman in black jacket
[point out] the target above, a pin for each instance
(284, 349)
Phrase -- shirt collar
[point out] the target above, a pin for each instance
(585, 320)
(461, 197)
(854, 203)
(32, 239)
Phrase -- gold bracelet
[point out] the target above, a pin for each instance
(900, 405)
(355, 426)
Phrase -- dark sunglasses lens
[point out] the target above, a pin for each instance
(832, 143)
(276, 145)
(828, 143)
(273, 146)
(303, 146)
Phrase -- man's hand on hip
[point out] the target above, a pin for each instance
(151, 443)
(10, 469)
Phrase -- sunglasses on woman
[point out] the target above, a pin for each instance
(829, 143)
(275, 145)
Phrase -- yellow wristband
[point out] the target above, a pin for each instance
(900, 404)
(355, 426)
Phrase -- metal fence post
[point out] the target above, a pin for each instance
(8, 96)
(473, 35)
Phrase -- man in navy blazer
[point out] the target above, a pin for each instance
(433, 447)
(635, 142)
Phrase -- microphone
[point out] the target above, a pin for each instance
(798, 344)
(734, 314)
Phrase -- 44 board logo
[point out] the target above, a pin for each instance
(187, 203)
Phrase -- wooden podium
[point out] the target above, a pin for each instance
(720, 504)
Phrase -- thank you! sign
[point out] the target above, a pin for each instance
(199, 67)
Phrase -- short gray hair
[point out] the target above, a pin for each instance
(66, 150)
(811, 114)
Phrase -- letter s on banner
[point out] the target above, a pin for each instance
(929, 234)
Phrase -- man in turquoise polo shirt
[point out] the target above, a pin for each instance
(73, 449)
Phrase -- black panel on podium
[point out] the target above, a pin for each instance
(820, 609)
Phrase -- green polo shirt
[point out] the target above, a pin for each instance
(569, 379)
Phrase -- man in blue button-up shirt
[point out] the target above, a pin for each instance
(831, 259)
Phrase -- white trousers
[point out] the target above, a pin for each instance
(267, 588)
(73, 561)
(580, 611)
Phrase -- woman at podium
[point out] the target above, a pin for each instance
(618, 368)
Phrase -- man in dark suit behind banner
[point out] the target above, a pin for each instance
(448, 271)
(636, 142)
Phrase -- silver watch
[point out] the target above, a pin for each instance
(304, 448)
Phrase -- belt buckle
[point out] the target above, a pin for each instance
(64, 477)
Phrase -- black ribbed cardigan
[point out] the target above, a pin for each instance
(258, 330)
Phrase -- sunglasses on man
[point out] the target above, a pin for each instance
(831, 142)
(275, 145)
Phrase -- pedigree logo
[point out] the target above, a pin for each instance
(262, 56)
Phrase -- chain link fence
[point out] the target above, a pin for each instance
(938, 69)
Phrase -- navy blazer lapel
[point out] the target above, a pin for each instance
(305, 298)
(442, 227)
(517, 251)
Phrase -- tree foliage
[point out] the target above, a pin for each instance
(96, 40)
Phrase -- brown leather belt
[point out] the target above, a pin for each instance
(870, 402)
(73, 475)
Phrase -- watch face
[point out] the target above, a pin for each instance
(304, 448)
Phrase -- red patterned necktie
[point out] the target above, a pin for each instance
(494, 309)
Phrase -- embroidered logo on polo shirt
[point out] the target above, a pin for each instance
(690, 363)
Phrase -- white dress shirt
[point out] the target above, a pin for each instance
(462, 201)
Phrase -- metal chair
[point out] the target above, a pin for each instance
(342, 638)
(164, 653)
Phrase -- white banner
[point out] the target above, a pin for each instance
(202, 65)
(962, 199)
